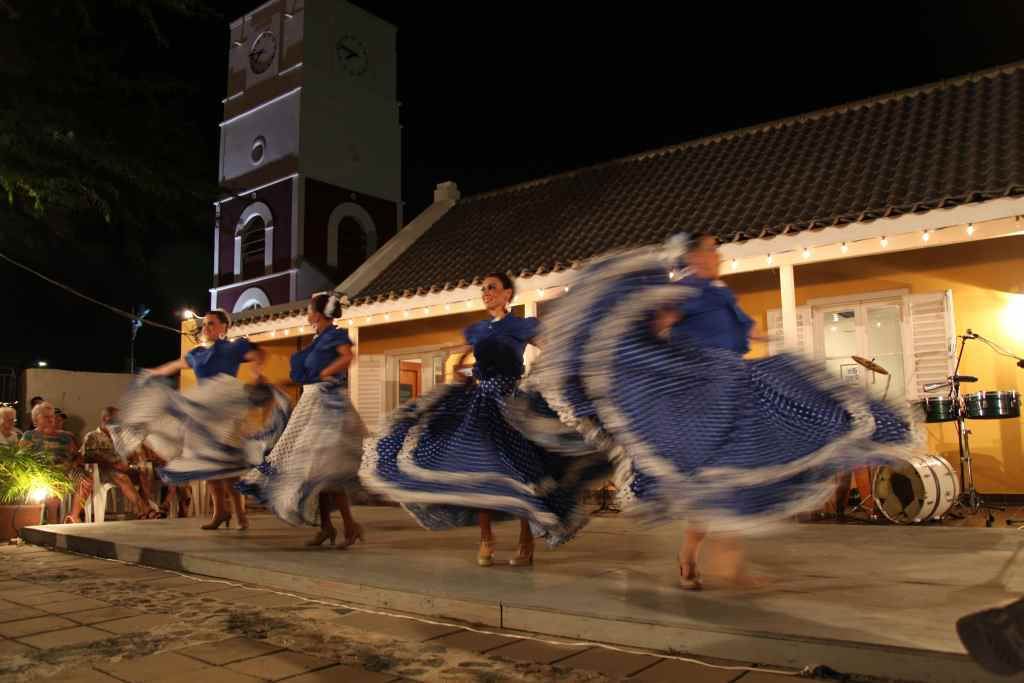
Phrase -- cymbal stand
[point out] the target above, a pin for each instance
(970, 499)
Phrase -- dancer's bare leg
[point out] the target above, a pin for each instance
(325, 503)
(220, 507)
(485, 557)
(228, 487)
(689, 577)
(353, 529)
(525, 555)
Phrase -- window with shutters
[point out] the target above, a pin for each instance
(368, 396)
(254, 241)
(910, 335)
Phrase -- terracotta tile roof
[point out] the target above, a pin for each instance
(940, 145)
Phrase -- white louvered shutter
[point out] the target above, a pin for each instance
(804, 331)
(933, 338)
(369, 394)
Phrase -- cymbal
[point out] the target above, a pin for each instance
(870, 365)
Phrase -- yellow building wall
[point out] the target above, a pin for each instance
(440, 332)
(987, 280)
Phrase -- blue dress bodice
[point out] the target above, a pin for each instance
(308, 363)
(498, 345)
(713, 317)
(222, 357)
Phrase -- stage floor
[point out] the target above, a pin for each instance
(870, 600)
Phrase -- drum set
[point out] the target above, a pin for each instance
(927, 487)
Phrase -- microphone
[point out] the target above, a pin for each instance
(970, 334)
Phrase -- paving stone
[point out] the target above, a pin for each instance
(43, 598)
(763, 677)
(11, 648)
(199, 587)
(673, 670)
(211, 674)
(79, 635)
(279, 665)
(20, 612)
(27, 627)
(165, 579)
(95, 616)
(533, 651)
(21, 549)
(609, 662)
(26, 589)
(119, 571)
(395, 626)
(137, 624)
(343, 673)
(84, 676)
(256, 598)
(231, 650)
(152, 667)
(76, 605)
(470, 641)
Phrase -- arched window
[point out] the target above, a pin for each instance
(254, 297)
(351, 238)
(351, 250)
(254, 244)
(254, 241)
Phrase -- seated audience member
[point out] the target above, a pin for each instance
(98, 448)
(60, 446)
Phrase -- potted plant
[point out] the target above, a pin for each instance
(28, 477)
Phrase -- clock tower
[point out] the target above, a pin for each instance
(310, 151)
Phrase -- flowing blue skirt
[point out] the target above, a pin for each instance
(693, 431)
(454, 452)
(318, 452)
(198, 432)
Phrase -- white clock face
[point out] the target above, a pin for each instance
(352, 55)
(262, 52)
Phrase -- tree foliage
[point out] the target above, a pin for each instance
(108, 156)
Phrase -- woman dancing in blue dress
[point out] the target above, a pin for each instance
(306, 474)
(651, 370)
(453, 458)
(198, 433)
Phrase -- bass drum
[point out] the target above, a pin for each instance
(924, 488)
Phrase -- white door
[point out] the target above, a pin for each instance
(872, 330)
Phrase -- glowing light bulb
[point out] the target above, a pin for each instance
(349, 323)
(540, 293)
(671, 274)
(188, 314)
(387, 316)
(770, 259)
(566, 288)
(807, 253)
(970, 229)
(405, 314)
(844, 247)
(447, 307)
(38, 494)
(735, 264)
(426, 311)
(469, 304)
(884, 242)
(926, 235)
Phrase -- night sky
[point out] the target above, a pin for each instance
(492, 97)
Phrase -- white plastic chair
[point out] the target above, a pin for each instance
(96, 506)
